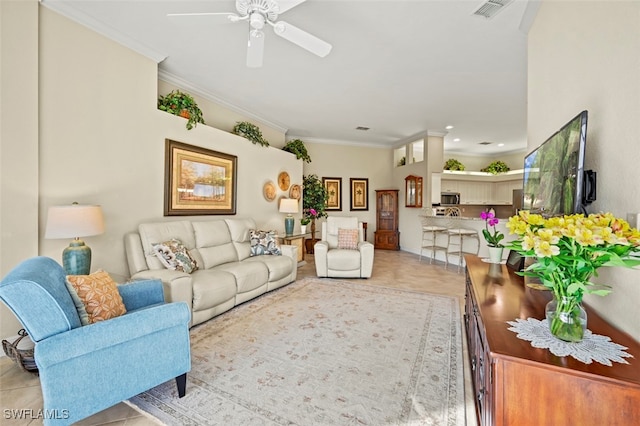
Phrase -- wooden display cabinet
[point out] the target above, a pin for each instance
(387, 236)
(517, 384)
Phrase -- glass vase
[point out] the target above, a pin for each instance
(567, 318)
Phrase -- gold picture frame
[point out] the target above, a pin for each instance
(359, 193)
(198, 181)
(333, 185)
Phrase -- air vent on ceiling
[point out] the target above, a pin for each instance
(484, 143)
(489, 8)
(363, 128)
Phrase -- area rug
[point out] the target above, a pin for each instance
(322, 352)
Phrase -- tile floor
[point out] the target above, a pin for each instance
(399, 269)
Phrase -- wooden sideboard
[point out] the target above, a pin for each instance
(517, 384)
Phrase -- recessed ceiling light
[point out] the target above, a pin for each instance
(456, 140)
(500, 144)
(363, 128)
(449, 127)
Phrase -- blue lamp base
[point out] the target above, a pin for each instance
(76, 259)
(288, 225)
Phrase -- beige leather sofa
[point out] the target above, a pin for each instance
(227, 274)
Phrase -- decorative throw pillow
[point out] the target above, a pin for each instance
(96, 297)
(348, 239)
(174, 255)
(264, 242)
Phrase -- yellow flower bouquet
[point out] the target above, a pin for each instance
(568, 251)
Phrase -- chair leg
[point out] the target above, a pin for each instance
(181, 382)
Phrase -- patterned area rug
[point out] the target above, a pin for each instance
(322, 352)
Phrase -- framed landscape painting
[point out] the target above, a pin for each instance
(333, 185)
(198, 181)
(359, 193)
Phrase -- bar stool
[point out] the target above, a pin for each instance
(431, 229)
(457, 236)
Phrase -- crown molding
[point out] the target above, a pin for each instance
(212, 97)
(103, 29)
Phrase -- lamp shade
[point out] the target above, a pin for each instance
(74, 221)
(288, 205)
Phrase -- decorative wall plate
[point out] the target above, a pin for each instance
(269, 191)
(284, 181)
(295, 192)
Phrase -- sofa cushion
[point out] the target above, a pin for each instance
(278, 266)
(212, 287)
(96, 297)
(264, 242)
(249, 275)
(175, 256)
(348, 239)
(213, 241)
(240, 230)
(343, 260)
(157, 232)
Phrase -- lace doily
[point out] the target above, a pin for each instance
(593, 347)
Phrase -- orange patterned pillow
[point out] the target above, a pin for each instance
(348, 239)
(98, 295)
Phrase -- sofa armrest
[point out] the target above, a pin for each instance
(366, 258)
(289, 251)
(177, 285)
(91, 339)
(138, 294)
(320, 250)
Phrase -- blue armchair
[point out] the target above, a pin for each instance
(85, 369)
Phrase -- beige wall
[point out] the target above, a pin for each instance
(349, 161)
(578, 60)
(101, 140)
(18, 140)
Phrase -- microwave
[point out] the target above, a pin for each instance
(449, 198)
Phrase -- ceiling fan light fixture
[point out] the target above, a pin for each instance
(256, 21)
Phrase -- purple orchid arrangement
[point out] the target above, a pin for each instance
(493, 237)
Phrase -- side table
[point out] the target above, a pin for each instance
(295, 240)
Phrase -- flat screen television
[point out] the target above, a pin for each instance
(554, 176)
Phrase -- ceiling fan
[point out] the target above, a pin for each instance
(260, 12)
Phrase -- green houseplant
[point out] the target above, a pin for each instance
(183, 105)
(296, 146)
(314, 201)
(453, 164)
(251, 132)
(496, 167)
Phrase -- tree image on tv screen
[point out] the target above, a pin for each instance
(551, 173)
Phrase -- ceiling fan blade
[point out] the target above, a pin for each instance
(302, 38)
(284, 5)
(226, 16)
(255, 49)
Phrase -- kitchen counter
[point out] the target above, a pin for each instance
(475, 223)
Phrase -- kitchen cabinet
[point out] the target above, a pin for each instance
(477, 188)
(517, 384)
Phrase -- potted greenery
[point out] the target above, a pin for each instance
(296, 146)
(496, 167)
(250, 131)
(453, 164)
(183, 105)
(314, 199)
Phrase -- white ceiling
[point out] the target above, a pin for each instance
(402, 67)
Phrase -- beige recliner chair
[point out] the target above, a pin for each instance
(342, 252)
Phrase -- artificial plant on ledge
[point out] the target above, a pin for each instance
(250, 131)
(183, 105)
(296, 146)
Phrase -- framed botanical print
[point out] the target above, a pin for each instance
(359, 193)
(333, 185)
(198, 181)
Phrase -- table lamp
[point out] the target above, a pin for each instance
(75, 221)
(288, 205)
